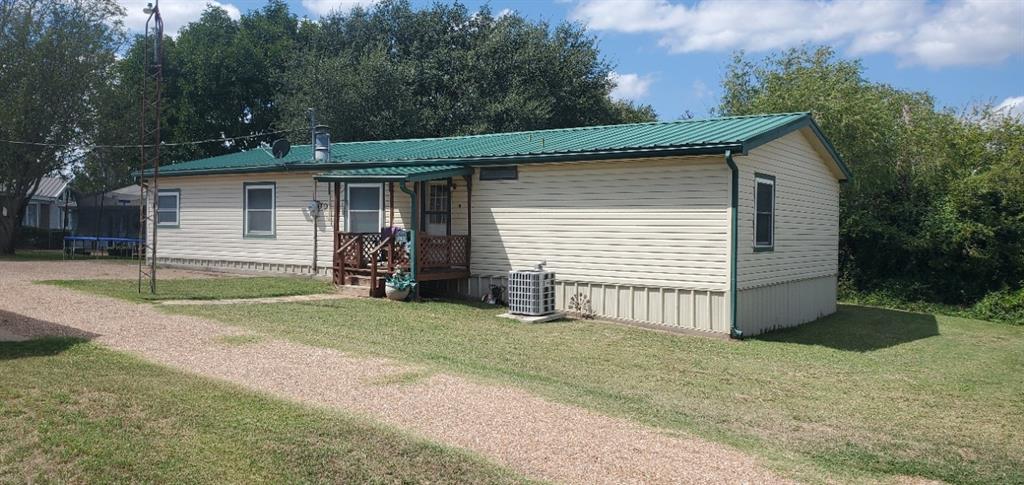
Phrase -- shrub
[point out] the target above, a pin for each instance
(1002, 306)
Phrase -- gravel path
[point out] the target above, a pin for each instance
(541, 439)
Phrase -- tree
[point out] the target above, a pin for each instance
(934, 209)
(53, 56)
(394, 72)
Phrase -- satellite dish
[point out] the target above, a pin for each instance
(280, 148)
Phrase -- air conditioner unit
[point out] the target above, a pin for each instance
(531, 292)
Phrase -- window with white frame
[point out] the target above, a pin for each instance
(168, 208)
(764, 211)
(365, 204)
(260, 200)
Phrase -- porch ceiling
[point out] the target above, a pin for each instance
(400, 173)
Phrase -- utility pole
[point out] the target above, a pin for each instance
(149, 129)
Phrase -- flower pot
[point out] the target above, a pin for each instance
(395, 294)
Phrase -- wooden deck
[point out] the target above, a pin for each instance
(367, 259)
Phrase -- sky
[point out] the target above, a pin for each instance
(672, 54)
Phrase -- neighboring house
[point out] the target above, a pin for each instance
(726, 225)
(52, 201)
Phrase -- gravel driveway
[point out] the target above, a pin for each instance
(541, 439)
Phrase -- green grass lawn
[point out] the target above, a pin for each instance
(73, 412)
(864, 394)
(201, 289)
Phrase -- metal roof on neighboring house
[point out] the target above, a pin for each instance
(684, 137)
(50, 187)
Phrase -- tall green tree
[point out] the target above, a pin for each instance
(934, 207)
(54, 55)
(393, 72)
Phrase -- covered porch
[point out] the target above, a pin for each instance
(398, 218)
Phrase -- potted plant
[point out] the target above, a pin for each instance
(398, 286)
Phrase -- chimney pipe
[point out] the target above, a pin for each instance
(321, 144)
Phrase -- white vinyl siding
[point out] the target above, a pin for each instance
(655, 222)
(212, 222)
(806, 214)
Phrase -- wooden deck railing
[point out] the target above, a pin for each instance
(376, 255)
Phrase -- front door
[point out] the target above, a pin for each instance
(364, 210)
(438, 208)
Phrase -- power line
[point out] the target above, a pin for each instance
(183, 143)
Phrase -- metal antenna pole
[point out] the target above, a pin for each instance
(149, 128)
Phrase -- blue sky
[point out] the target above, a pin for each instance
(672, 53)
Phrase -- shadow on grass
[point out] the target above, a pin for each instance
(859, 329)
(44, 338)
(41, 347)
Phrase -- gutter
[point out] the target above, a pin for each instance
(734, 203)
(412, 234)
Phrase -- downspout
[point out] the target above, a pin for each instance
(412, 235)
(734, 204)
(316, 218)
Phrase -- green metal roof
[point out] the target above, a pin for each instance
(684, 137)
(395, 173)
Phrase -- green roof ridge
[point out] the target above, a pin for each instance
(571, 128)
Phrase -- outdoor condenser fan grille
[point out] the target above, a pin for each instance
(531, 292)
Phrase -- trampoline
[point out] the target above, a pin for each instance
(101, 246)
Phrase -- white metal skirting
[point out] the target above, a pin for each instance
(786, 304)
(689, 309)
(242, 266)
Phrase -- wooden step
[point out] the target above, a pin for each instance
(353, 291)
(357, 280)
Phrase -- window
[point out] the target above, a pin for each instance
(364, 208)
(764, 212)
(168, 203)
(31, 215)
(439, 204)
(500, 173)
(259, 209)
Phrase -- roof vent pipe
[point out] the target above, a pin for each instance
(321, 144)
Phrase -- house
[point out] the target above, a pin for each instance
(725, 225)
(113, 213)
(53, 205)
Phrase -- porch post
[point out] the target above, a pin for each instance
(469, 218)
(448, 226)
(412, 236)
(391, 203)
(336, 259)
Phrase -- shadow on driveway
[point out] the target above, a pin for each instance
(36, 337)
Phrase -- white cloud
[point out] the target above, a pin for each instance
(629, 86)
(1012, 106)
(324, 7)
(175, 14)
(504, 12)
(701, 89)
(959, 32)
